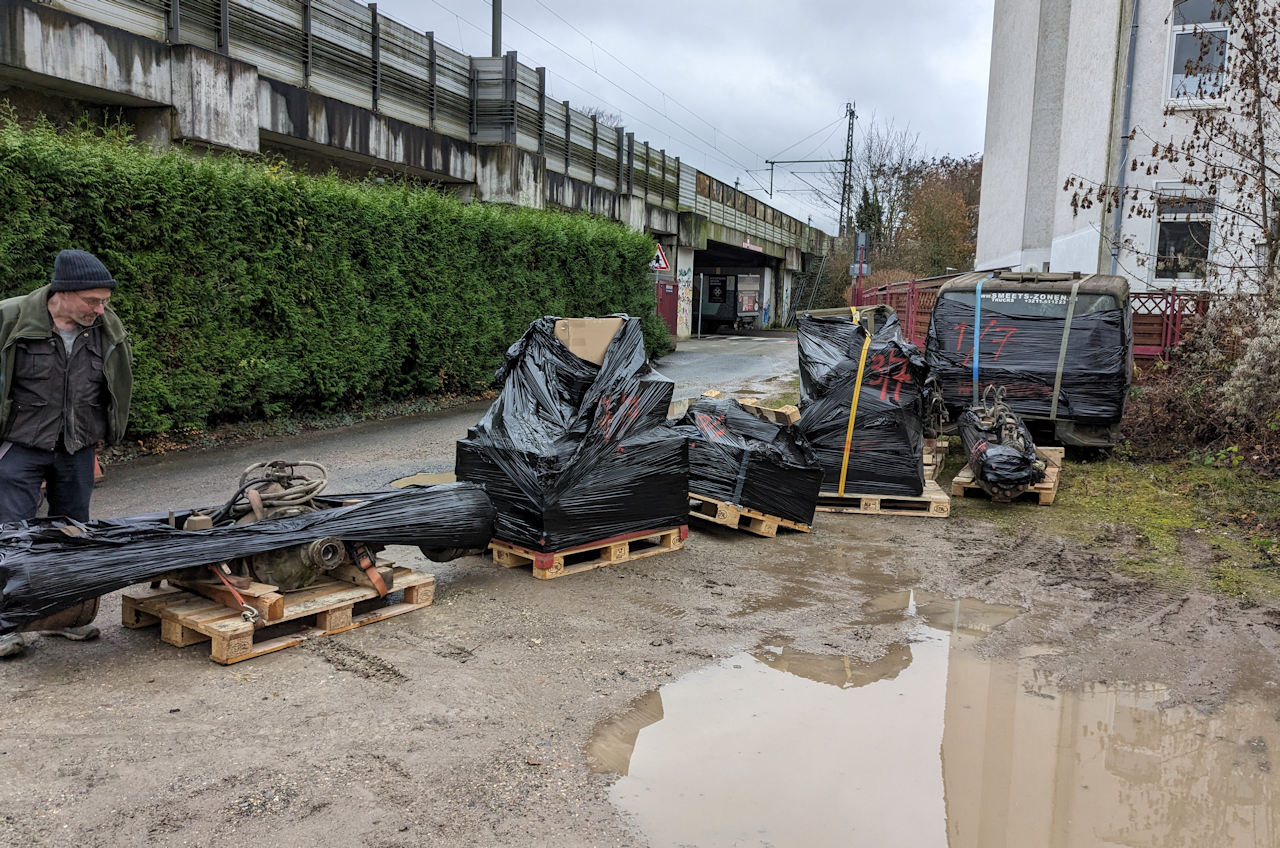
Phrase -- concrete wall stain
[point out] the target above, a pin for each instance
(215, 103)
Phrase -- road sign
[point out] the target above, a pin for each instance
(659, 262)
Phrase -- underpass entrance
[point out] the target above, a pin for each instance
(733, 289)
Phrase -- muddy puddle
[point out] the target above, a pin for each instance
(931, 745)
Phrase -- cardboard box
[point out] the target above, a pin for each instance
(588, 338)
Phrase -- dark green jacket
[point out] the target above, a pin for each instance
(27, 317)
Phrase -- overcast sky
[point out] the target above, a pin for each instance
(727, 85)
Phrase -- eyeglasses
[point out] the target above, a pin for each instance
(93, 302)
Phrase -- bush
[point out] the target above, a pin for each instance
(251, 290)
(1216, 398)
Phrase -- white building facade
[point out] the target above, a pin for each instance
(1071, 80)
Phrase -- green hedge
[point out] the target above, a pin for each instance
(252, 290)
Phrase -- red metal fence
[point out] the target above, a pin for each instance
(1161, 319)
(912, 301)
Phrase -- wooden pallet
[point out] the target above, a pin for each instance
(786, 415)
(425, 479)
(932, 503)
(935, 456)
(186, 618)
(611, 551)
(1043, 492)
(744, 518)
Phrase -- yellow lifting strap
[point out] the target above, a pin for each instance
(853, 406)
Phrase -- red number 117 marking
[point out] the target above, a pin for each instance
(1000, 337)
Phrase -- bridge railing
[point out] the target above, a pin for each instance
(349, 51)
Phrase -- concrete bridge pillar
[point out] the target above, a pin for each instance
(684, 280)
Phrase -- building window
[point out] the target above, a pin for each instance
(1198, 49)
(1183, 229)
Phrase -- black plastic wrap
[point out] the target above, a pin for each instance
(573, 452)
(885, 453)
(43, 569)
(1020, 353)
(740, 459)
(1000, 465)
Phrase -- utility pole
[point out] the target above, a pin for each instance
(497, 28)
(846, 184)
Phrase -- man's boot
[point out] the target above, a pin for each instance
(12, 645)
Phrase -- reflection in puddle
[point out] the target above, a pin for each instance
(931, 745)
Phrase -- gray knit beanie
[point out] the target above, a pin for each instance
(77, 270)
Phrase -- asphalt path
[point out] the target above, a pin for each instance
(729, 363)
(368, 456)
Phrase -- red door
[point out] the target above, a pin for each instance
(668, 304)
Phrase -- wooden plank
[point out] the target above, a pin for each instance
(425, 479)
(422, 593)
(507, 558)
(1052, 456)
(262, 597)
(931, 503)
(323, 602)
(352, 573)
(334, 619)
(233, 648)
(186, 618)
(741, 517)
(173, 632)
(159, 593)
(617, 552)
(625, 548)
(133, 617)
(785, 416)
(1043, 493)
(238, 652)
(935, 456)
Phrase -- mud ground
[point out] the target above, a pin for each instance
(465, 724)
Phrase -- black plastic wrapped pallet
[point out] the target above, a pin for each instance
(1020, 346)
(573, 452)
(887, 446)
(47, 565)
(743, 460)
(1001, 465)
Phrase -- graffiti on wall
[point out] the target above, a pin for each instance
(684, 311)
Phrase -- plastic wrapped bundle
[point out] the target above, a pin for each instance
(1000, 452)
(1032, 338)
(743, 460)
(884, 452)
(577, 448)
(47, 565)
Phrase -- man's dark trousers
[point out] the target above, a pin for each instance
(68, 479)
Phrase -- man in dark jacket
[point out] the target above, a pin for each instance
(65, 384)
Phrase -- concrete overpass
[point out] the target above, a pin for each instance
(333, 83)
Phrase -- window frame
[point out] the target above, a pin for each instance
(1165, 190)
(1177, 30)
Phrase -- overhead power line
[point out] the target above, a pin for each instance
(711, 148)
(829, 126)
